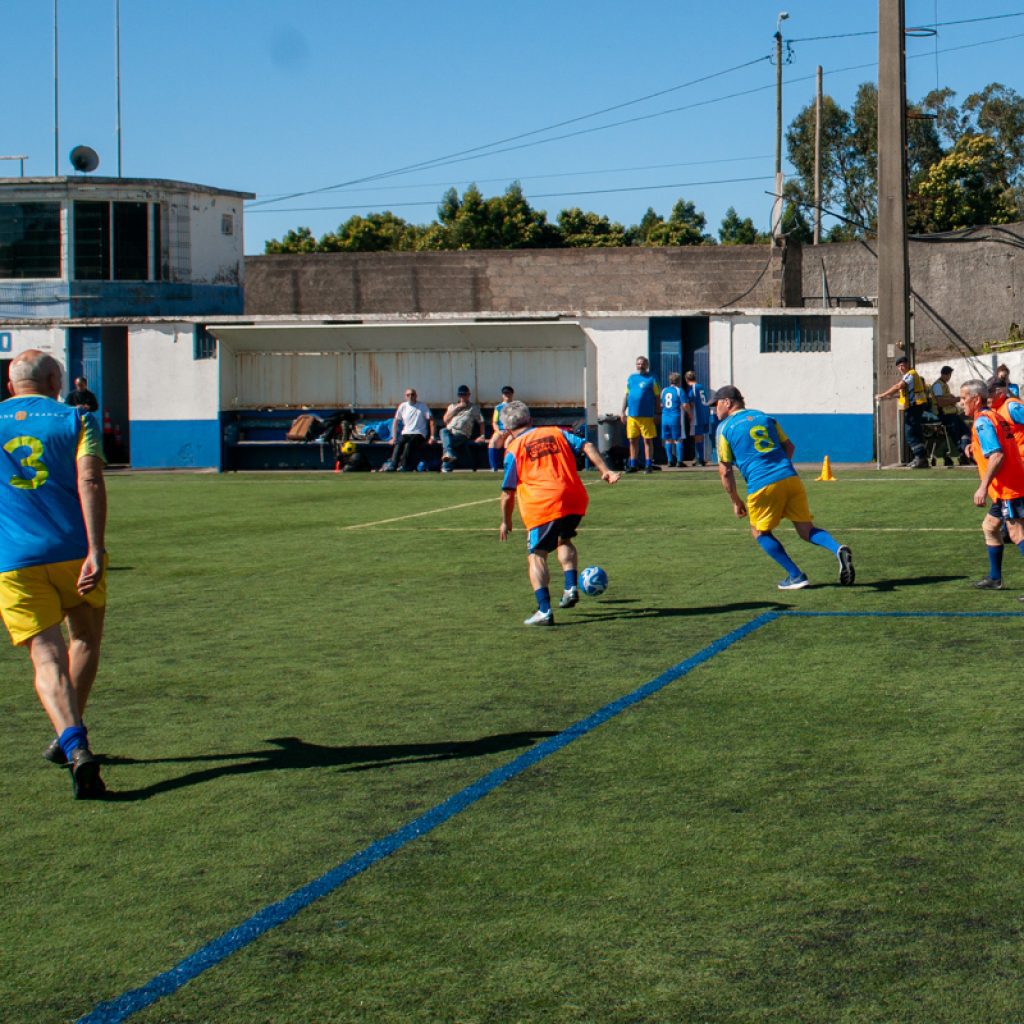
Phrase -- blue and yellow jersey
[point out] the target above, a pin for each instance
(642, 393)
(753, 442)
(697, 396)
(41, 442)
(672, 404)
(496, 418)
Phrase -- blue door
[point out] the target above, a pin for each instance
(85, 359)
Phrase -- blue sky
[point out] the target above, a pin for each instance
(278, 98)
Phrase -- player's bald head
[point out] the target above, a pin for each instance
(34, 372)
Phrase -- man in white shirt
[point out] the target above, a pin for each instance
(412, 429)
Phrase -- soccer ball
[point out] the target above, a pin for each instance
(348, 448)
(593, 581)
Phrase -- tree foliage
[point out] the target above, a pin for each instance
(580, 230)
(507, 221)
(937, 150)
(734, 231)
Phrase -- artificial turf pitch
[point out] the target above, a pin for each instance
(820, 822)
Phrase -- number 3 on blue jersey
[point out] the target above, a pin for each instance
(762, 439)
(32, 461)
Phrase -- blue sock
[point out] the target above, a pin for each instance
(494, 457)
(995, 562)
(824, 539)
(571, 578)
(71, 739)
(543, 599)
(632, 462)
(773, 549)
(647, 463)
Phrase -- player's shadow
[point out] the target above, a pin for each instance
(290, 753)
(649, 612)
(886, 586)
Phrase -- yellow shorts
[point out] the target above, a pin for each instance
(38, 597)
(640, 426)
(784, 499)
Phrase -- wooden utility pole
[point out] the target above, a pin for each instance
(893, 331)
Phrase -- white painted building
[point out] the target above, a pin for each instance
(190, 384)
(137, 284)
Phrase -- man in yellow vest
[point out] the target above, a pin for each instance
(913, 397)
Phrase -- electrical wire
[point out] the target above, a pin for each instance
(935, 24)
(443, 160)
(534, 197)
(559, 174)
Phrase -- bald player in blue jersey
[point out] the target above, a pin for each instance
(758, 447)
(53, 508)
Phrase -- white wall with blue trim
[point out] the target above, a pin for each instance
(824, 399)
(175, 399)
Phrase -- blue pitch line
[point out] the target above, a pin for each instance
(904, 615)
(134, 1000)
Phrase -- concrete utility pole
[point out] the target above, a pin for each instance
(779, 181)
(817, 161)
(893, 336)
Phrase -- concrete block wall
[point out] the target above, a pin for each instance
(567, 281)
(968, 286)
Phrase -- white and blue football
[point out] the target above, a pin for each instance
(593, 581)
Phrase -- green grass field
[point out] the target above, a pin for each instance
(822, 822)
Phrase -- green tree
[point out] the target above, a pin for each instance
(376, 232)
(501, 222)
(580, 230)
(295, 241)
(734, 231)
(685, 226)
(966, 188)
(637, 234)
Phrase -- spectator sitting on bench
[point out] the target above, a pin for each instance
(496, 446)
(412, 430)
(459, 420)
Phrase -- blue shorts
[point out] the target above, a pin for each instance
(545, 538)
(1009, 508)
(671, 430)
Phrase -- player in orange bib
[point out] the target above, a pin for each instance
(541, 477)
(1001, 468)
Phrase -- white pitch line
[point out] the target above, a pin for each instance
(416, 515)
(677, 529)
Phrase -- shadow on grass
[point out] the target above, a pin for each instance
(648, 612)
(290, 753)
(887, 586)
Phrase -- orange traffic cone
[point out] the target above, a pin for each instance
(826, 470)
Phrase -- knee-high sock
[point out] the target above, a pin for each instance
(773, 549)
(824, 539)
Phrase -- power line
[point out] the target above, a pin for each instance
(259, 206)
(934, 24)
(561, 174)
(542, 195)
(443, 160)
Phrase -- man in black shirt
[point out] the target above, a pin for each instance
(82, 396)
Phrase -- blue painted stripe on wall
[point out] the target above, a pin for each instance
(843, 437)
(175, 444)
